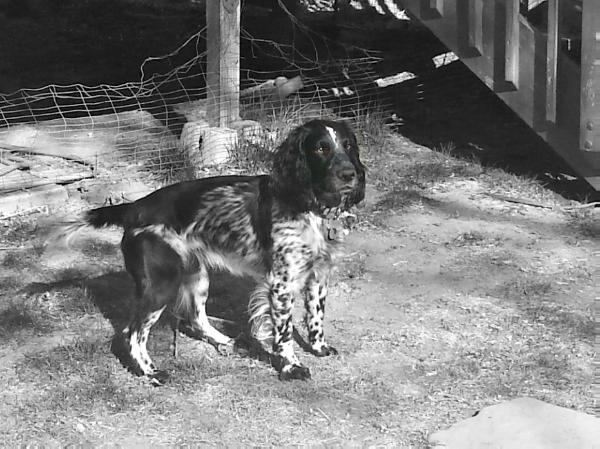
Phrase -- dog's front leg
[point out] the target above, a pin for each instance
(281, 299)
(315, 293)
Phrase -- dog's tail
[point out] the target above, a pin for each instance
(64, 232)
(108, 215)
(259, 312)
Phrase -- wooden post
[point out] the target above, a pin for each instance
(590, 77)
(512, 43)
(223, 62)
(475, 23)
(494, 43)
(552, 55)
(431, 9)
(465, 22)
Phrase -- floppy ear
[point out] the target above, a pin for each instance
(291, 174)
(358, 194)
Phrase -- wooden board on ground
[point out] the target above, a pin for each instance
(38, 171)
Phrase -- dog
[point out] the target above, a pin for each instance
(275, 227)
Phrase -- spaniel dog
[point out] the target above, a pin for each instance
(275, 227)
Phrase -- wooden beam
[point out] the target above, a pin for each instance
(495, 38)
(223, 62)
(512, 43)
(554, 14)
(431, 9)
(465, 21)
(590, 77)
(475, 19)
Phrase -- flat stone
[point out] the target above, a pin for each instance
(522, 423)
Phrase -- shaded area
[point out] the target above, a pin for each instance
(95, 42)
(114, 295)
(457, 112)
(88, 41)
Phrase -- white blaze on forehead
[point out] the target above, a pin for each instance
(333, 135)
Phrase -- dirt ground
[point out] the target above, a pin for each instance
(448, 297)
(445, 300)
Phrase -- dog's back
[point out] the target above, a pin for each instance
(175, 206)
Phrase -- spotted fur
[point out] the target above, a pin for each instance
(273, 227)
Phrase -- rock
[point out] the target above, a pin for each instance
(206, 145)
(522, 423)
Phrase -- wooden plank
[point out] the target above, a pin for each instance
(5, 169)
(523, 81)
(18, 179)
(511, 74)
(532, 72)
(431, 9)
(10, 185)
(28, 150)
(23, 201)
(495, 27)
(590, 77)
(223, 62)
(554, 7)
(476, 25)
(488, 35)
(41, 170)
(465, 23)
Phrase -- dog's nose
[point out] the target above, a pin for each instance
(346, 174)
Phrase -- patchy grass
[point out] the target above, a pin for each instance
(16, 317)
(253, 155)
(16, 259)
(524, 288)
(585, 221)
(28, 314)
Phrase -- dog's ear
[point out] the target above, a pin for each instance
(289, 161)
(359, 192)
(291, 174)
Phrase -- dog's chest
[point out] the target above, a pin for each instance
(306, 232)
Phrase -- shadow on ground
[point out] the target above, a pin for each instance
(114, 295)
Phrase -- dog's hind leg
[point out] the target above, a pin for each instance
(157, 271)
(136, 335)
(192, 306)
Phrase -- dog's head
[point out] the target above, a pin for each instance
(318, 166)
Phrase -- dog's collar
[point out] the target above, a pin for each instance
(337, 223)
(334, 230)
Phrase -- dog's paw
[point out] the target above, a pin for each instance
(325, 351)
(291, 372)
(227, 349)
(158, 378)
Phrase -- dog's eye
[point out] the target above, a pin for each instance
(322, 151)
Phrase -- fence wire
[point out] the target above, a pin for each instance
(141, 128)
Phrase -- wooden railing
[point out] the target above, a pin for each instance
(528, 67)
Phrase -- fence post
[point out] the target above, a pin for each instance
(223, 62)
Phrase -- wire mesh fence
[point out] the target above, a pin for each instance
(143, 129)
